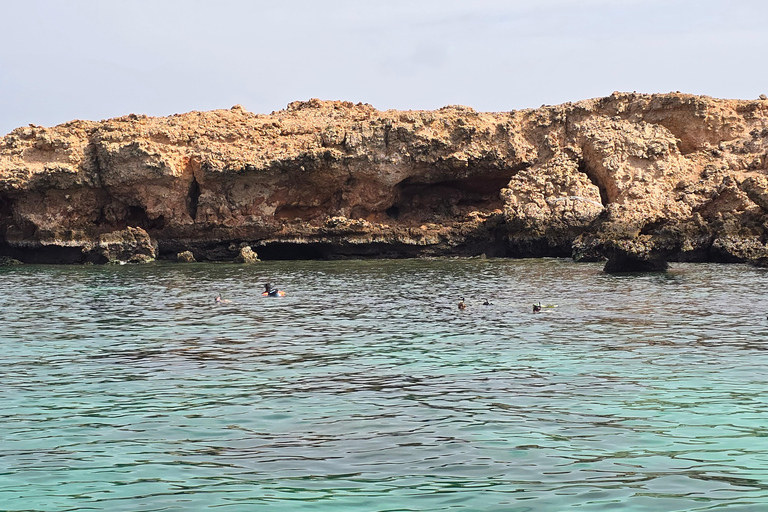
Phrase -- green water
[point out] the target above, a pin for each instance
(128, 388)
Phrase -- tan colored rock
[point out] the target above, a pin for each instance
(669, 174)
(247, 255)
(550, 203)
(739, 249)
(132, 245)
(185, 257)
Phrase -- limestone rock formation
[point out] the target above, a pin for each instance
(130, 245)
(638, 179)
(186, 257)
(247, 256)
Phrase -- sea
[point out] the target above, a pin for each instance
(365, 388)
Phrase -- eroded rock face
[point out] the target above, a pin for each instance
(130, 245)
(185, 257)
(247, 256)
(637, 179)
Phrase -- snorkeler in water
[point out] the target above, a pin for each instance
(272, 292)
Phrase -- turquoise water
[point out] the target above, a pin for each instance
(365, 389)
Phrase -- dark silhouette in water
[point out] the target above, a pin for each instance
(461, 304)
(272, 292)
(487, 303)
(537, 307)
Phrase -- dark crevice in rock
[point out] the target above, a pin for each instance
(193, 197)
(294, 251)
(221, 250)
(334, 251)
(652, 227)
(624, 262)
(387, 129)
(6, 251)
(6, 216)
(102, 217)
(137, 217)
(96, 259)
(43, 254)
(292, 212)
(447, 199)
(92, 155)
(6, 209)
(488, 239)
(24, 230)
(373, 250)
(106, 218)
(584, 168)
(542, 247)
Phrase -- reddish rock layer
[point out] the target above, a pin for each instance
(639, 179)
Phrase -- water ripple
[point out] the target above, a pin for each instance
(365, 388)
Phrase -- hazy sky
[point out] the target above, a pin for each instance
(89, 59)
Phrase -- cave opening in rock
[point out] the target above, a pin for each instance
(393, 212)
(193, 197)
(137, 217)
(5, 208)
(584, 168)
(47, 255)
(6, 216)
(5, 249)
(438, 200)
(293, 251)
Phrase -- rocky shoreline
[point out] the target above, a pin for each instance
(636, 180)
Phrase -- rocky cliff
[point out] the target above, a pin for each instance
(636, 179)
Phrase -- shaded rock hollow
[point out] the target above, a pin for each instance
(637, 179)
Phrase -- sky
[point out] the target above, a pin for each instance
(95, 59)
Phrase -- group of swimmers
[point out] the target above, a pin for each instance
(274, 292)
(486, 302)
(462, 305)
(268, 292)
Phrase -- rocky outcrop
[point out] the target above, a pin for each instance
(185, 257)
(8, 262)
(639, 180)
(247, 256)
(131, 245)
